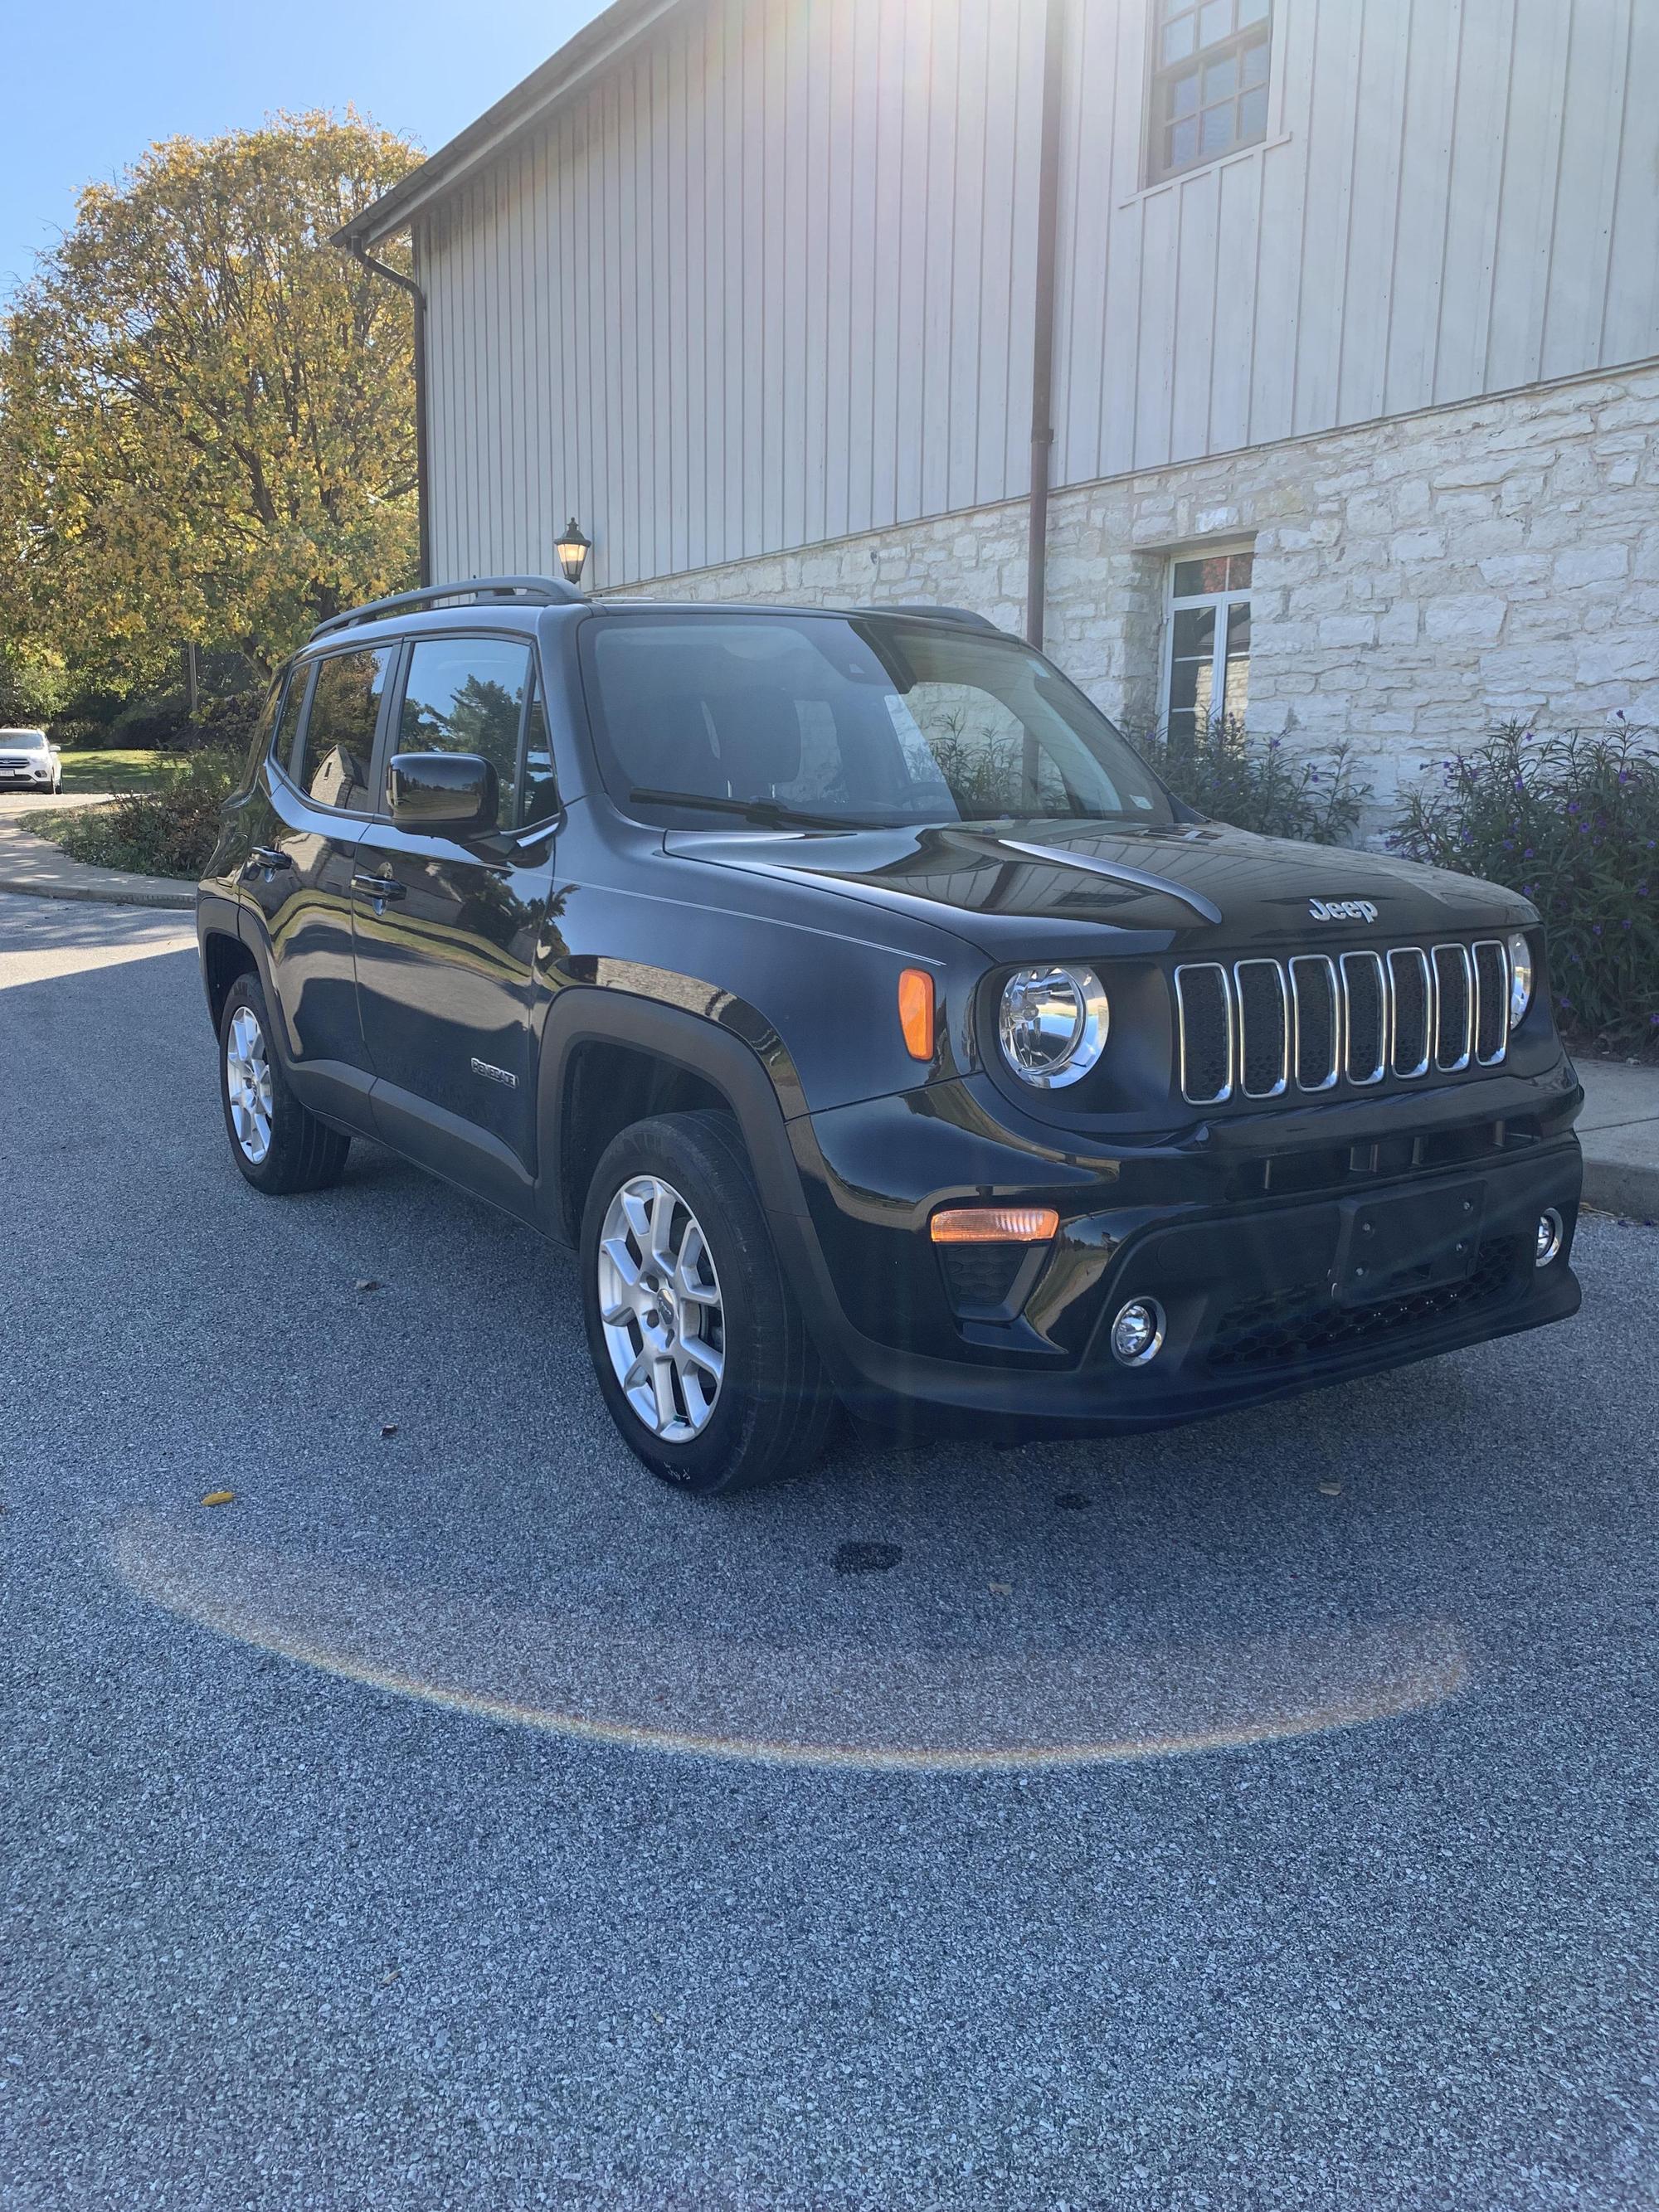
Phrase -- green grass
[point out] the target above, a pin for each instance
(113, 769)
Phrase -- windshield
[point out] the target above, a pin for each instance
(836, 718)
(22, 741)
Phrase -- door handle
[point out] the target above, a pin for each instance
(378, 888)
(267, 857)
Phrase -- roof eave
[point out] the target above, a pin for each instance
(567, 72)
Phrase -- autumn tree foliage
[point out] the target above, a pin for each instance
(206, 426)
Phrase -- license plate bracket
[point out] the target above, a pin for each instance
(1393, 1245)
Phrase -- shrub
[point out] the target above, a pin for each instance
(1257, 784)
(156, 724)
(225, 724)
(168, 832)
(1572, 823)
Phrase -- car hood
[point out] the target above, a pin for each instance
(1194, 882)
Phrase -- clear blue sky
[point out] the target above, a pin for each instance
(90, 83)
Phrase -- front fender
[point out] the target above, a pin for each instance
(711, 1035)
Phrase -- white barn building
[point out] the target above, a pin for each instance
(1348, 351)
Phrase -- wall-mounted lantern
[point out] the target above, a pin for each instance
(572, 550)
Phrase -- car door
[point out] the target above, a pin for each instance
(317, 789)
(445, 928)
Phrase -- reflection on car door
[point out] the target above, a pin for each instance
(446, 928)
(316, 789)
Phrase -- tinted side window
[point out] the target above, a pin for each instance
(541, 789)
(288, 721)
(466, 695)
(339, 736)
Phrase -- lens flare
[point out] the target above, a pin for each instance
(1005, 1702)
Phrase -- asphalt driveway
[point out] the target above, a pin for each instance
(1261, 1814)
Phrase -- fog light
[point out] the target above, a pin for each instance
(1137, 1332)
(1551, 1236)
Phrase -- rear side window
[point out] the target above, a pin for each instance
(466, 695)
(293, 696)
(264, 728)
(541, 790)
(337, 750)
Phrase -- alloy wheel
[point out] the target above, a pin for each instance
(247, 1084)
(659, 1303)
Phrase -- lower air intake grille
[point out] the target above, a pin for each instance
(1306, 1323)
(979, 1277)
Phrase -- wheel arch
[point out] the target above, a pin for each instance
(225, 955)
(610, 1058)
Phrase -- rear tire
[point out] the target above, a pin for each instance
(702, 1352)
(279, 1144)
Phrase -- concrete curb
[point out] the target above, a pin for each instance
(1618, 1130)
(33, 868)
(163, 897)
(1626, 1187)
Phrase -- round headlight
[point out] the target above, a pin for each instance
(1520, 978)
(1052, 1025)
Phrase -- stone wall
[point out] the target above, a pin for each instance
(1415, 581)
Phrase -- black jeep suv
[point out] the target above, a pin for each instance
(873, 1021)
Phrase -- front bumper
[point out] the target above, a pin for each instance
(1246, 1283)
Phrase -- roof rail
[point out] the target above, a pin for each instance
(534, 591)
(964, 615)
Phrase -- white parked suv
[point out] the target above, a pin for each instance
(28, 761)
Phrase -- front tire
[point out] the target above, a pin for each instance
(701, 1351)
(279, 1144)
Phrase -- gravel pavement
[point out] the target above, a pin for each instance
(1259, 1814)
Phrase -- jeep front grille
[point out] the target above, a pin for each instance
(1265, 1026)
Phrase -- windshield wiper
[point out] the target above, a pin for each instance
(769, 812)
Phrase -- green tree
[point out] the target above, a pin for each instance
(206, 411)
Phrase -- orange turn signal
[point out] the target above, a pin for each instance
(994, 1225)
(916, 1012)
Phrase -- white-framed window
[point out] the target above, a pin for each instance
(1206, 640)
(1209, 81)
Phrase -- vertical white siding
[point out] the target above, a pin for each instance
(769, 281)
(1454, 197)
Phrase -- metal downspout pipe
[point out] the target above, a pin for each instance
(1042, 343)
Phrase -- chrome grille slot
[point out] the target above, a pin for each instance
(1491, 1001)
(1413, 993)
(1314, 1022)
(1365, 1018)
(1206, 1006)
(1264, 1028)
(1454, 1008)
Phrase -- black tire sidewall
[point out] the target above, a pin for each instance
(706, 1168)
(304, 1154)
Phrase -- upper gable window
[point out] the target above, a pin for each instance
(1209, 80)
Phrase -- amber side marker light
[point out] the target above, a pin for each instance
(915, 1002)
(994, 1225)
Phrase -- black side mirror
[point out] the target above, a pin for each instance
(452, 794)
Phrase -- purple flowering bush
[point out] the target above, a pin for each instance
(1255, 783)
(1572, 823)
